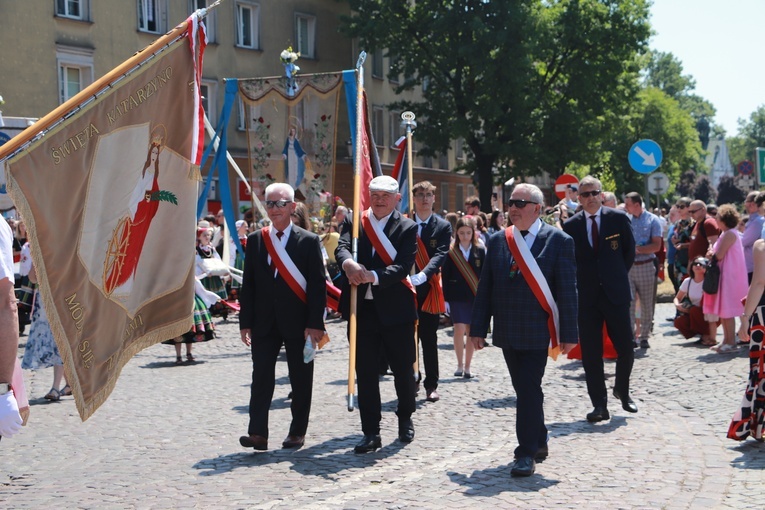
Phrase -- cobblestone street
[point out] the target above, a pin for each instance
(168, 438)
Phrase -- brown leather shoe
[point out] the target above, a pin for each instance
(257, 442)
(293, 441)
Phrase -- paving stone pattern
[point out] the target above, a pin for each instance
(168, 438)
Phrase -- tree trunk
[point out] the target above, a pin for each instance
(485, 180)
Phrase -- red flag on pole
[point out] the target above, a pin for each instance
(370, 160)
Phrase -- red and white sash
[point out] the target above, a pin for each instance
(538, 284)
(434, 302)
(382, 244)
(287, 269)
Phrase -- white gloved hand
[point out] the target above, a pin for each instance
(448, 310)
(10, 419)
(418, 279)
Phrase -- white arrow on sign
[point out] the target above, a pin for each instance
(648, 159)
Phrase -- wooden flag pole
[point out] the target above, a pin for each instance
(407, 120)
(356, 221)
(94, 90)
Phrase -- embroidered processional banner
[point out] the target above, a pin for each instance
(108, 195)
(293, 135)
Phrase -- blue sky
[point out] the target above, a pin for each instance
(717, 42)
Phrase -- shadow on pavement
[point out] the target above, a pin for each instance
(561, 429)
(166, 364)
(715, 357)
(322, 460)
(492, 481)
(751, 456)
(496, 403)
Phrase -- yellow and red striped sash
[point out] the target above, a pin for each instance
(465, 269)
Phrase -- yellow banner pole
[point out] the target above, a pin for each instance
(407, 120)
(352, 325)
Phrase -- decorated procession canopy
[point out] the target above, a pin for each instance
(292, 134)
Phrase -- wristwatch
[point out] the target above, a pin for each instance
(4, 388)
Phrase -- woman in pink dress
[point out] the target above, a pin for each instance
(726, 304)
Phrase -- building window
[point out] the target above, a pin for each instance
(395, 132)
(377, 64)
(152, 15)
(443, 161)
(211, 19)
(243, 111)
(75, 9)
(378, 125)
(471, 190)
(445, 196)
(209, 90)
(392, 59)
(459, 150)
(459, 196)
(305, 35)
(75, 71)
(247, 24)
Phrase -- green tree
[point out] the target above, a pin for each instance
(728, 192)
(530, 85)
(685, 187)
(751, 134)
(704, 191)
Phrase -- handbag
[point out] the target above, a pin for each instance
(214, 267)
(712, 277)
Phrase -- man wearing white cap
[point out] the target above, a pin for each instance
(386, 308)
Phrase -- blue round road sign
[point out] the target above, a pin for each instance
(645, 156)
(746, 167)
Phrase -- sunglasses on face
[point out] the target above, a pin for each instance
(694, 211)
(681, 206)
(520, 204)
(277, 203)
(592, 193)
(699, 264)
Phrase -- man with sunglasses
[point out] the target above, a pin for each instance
(386, 307)
(283, 297)
(705, 233)
(605, 251)
(522, 301)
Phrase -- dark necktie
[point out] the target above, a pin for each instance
(279, 235)
(595, 235)
(524, 232)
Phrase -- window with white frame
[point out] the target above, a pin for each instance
(211, 19)
(75, 9)
(75, 70)
(459, 150)
(459, 195)
(395, 131)
(209, 90)
(305, 35)
(152, 16)
(378, 125)
(243, 111)
(247, 21)
(377, 64)
(445, 195)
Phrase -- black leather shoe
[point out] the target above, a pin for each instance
(600, 413)
(368, 443)
(627, 403)
(524, 466)
(405, 430)
(542, 453)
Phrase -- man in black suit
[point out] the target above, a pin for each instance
(435, 235)
(282, 299)
(605, 251)
(386, 307)
(521, 312)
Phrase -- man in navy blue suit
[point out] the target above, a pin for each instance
(605, 251)
(522, 293)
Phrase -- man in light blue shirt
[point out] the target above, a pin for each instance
(647, 232)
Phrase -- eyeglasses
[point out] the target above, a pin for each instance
(682, 206)
(424, 195)
(699, 264)
(694, 211)
(520, 204)
(280, 204)
(592, 193)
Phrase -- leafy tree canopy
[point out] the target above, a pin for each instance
(530, 85)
